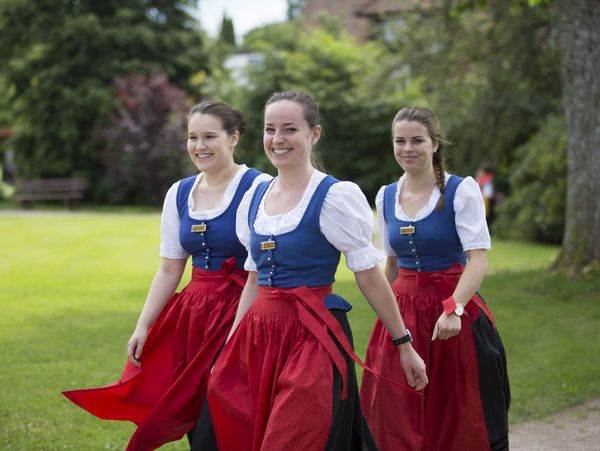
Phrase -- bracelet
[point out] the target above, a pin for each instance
(404, 339)
(449, 305)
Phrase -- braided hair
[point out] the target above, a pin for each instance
(428, 119)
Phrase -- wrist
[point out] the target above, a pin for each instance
(452, 307)
(141, 326)
(402, 340)
(405, 349)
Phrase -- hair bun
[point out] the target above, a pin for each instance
(241, 122)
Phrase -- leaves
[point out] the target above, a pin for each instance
(58, 63)
(144, 147)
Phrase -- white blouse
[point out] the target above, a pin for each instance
(170, 247)
(346, 221)
(469, 215)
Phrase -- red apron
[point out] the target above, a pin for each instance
(453, 416)
(164, 396)
(271, 388)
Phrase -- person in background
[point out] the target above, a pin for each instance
(436, 240)
(285, 380)
(179, 335)
(485, 180)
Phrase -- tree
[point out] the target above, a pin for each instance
(295, 8)
(535, 209)
(491, 73)
(345, 79)
(59, 60)
(227, 34)
(579, 32)
(580, 60)
(144, 146)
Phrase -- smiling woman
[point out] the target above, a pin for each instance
(286, 377)
(435, 235)
(179, 335)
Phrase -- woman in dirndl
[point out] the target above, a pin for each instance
(286, 379)
(435, 235)
(179, 335)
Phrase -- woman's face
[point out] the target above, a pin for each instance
(287, 138)
(208, 144)
(413, 147)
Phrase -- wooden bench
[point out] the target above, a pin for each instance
(69, 190)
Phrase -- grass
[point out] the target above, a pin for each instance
(72, 286)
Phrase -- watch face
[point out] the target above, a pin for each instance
(459, 310)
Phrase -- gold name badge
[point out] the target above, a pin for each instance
(408, 230)
(198, 228)
(267, 245)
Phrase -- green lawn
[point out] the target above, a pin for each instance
(72, 285)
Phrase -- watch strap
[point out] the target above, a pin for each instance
(449, 305)
(403, 339)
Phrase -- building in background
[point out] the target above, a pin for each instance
(365, 19)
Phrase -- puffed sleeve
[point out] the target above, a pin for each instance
(383, 232)
(347, 222)
(469, 216)
(241, 220)
(170, 247)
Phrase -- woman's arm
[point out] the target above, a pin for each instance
(470, 280)
(391, 269)
(472, 276)
(163, 286)
(374, 287)
(246, 300)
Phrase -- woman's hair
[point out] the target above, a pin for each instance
(428, 119)
(231, 118)
(310, 111)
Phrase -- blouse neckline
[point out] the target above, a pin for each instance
(225, 200)
(423, 212)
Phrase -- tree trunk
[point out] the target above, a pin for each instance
(579, 27)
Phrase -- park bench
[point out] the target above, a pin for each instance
(69, 190)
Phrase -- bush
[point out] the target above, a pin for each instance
(535, 209)
(144, 147)
(345, 78)
(6, 190)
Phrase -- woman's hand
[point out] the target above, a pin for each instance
(136, 344)
(413, 366)
(447, 326)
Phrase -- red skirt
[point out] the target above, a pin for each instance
(164, 395)
(271, 388)
(453, 417)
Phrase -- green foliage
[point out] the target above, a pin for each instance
(490, 73)
(227, 33)
(295, 8)
(144, 142)
(4, 102)
(65, 322)
(346, 80)
(535, 209)
(6, 190)
(59, 58)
